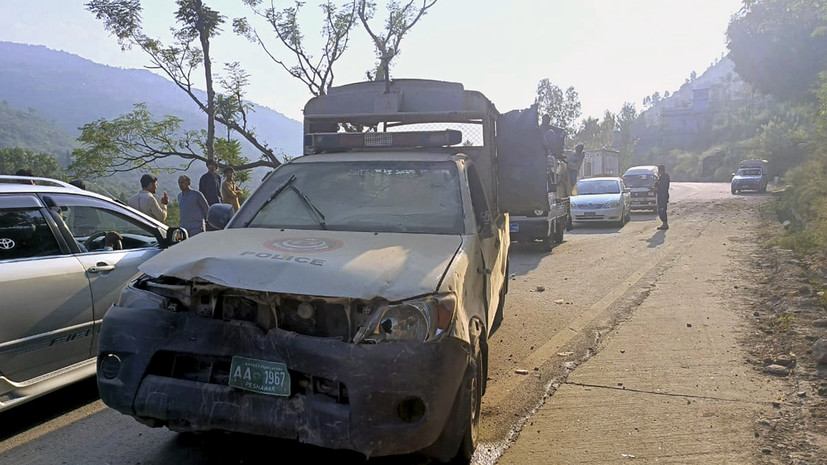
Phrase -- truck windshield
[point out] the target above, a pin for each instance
(381, 196)
(639, 180)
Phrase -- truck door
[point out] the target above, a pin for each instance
(491, 233)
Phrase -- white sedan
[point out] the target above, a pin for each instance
(603, 199)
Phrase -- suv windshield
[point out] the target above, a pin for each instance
(383, 196)
(588, 187)
(749, 172)
(639, 180)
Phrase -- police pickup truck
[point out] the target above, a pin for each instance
(349, 302)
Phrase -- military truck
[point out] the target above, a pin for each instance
(548, 223)
(349, 302)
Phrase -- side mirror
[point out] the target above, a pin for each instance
(486, 226)
(219, 215)
(176, 235)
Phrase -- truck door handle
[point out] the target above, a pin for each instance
(101, 266)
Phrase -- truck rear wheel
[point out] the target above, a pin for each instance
(559, 231)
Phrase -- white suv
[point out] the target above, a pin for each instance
(59, 273)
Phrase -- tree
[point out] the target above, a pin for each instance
(138, 134)
(400, 20)
(41, 164)
(563, 110)
(316, 73)
(778, 45)
(624, 141)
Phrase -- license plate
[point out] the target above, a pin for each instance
(515, 227)
(589, 213)
(271, 378)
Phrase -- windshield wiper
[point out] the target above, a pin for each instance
(278, 191)
(311, 205)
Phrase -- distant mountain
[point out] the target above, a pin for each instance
(72, 91)
(27, 129)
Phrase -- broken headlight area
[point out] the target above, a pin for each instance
(417, 320)
(349, 320)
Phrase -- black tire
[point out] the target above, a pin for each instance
(458, 440)
(734, 190)
(473, 384)
(498, 315)
(559, 232)
(548, 240)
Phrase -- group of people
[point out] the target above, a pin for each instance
(193, 204)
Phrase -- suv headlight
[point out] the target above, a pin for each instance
(416, 320)
(612, 204)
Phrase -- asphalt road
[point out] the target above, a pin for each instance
(560, 303)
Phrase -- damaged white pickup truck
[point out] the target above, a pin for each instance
(349, 302)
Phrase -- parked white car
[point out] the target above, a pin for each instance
(603, 199)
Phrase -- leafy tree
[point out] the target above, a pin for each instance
(562, 109)
(316, 73)
(779, 45)
(40, 164)
(138, 134)
(400, 20)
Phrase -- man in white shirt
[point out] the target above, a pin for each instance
(145, 201)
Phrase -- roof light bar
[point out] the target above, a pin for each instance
(344, 140)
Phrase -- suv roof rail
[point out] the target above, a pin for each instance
(10, 178)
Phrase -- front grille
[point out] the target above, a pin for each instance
(216, 370)
(310, 316)
(315, 318)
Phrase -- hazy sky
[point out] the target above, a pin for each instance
(611, 51)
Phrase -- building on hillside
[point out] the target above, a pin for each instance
(692, 117)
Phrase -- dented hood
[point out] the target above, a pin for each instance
(357, 265)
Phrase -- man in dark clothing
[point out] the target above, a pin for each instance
(662, 185)
(210, 184)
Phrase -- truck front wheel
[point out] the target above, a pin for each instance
(464, 417)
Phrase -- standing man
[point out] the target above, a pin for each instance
(662, 185)
(193, 207)
(145, 201)
(210, 183)
(230, 190)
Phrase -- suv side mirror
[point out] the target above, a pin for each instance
(219, 215)
(175, 235)
(486, 226)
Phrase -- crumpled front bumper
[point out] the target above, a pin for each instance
(397, 396)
